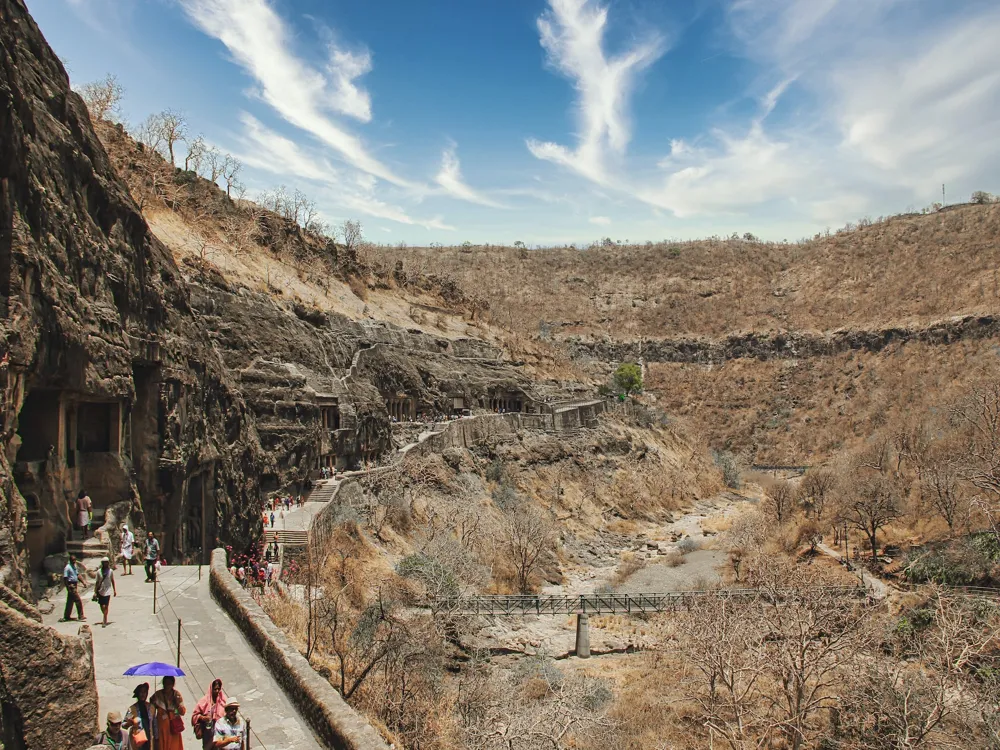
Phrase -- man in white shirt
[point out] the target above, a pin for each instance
(128, 550)
(230, 729)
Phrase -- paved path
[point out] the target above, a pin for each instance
(210, 647)
(878, 587)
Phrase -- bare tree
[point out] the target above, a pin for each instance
(150, 133)
(745, 536)
(103, 98)
(173, 129)
(215, 161)
(526, 536)
(980, 415)
(352, 233)
(816, 489)
(870, 500)
(231, 167)
(779, 500)
(195, 155)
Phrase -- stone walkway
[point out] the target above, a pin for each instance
(210, 647)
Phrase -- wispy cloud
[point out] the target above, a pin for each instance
(572, 34)
(601, 221)
(336, 190)
(450, 179)
(265, 149)
(885, 115)
(258, 39)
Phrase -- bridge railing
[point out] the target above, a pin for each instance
(560, 604)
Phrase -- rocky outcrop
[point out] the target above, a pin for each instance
(48, 693)
(109, 381)
(785, 344)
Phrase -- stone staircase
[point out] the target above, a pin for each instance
(298, 537)
(322, 492)
(92, 548)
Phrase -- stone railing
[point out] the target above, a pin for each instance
(336, 724)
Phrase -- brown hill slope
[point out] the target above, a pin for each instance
(903, 270)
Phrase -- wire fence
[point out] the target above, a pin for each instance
(178, 647)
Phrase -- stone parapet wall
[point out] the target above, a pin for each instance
(336, 724)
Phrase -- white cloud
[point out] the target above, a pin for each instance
(601, 221)
(572, 34)
(896, 101)
(450, 180)
(344, 68)
(259, 41)
(928, 111)
(264, 149)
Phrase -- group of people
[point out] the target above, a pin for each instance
(250, 570)
(156, 723)
(285, 501)
(104, 583)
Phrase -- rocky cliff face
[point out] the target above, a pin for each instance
(110, 383)
(787, 345)
(44, 675)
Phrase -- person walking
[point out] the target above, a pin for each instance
(272, 519)
(128, 550)
(84, 512)
(230, 731)
(151, 553)
(112, 736)
(71, 578)
(168, 707)
(209, 709)
(104, 586)
(139, 720)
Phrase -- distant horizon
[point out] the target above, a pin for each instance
(558, 122)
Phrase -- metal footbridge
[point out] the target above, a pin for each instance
(613, 604)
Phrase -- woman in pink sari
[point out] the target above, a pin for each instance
(209, 708)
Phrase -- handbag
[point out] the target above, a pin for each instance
(139, 736)
(176, 724)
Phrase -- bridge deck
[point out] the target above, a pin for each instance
(516, 605)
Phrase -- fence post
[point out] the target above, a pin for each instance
(178, 643)
(154, 596)
(248, 735)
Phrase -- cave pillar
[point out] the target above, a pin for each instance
(583, 635)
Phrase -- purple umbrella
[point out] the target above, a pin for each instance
(155, 669)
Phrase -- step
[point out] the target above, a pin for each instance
(87, 550)
(286, 536)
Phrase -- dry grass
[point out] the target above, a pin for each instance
(908, 268)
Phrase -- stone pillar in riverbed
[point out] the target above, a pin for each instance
(582, 635)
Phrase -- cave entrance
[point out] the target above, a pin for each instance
(194, 521)
(38, 425)
(98, 427)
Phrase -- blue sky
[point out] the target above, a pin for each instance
(553, 121)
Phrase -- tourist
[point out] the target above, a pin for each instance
(272, 519)
(104, 586)
(270, 573)
(138, 720)
(71, 577)
(112, 736)
(207, 712)
(84, 512)
(128, 550)
(230, 729)
(151, 555)
(168, 706)
(241, 576)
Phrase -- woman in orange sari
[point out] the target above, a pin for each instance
(168, 704)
